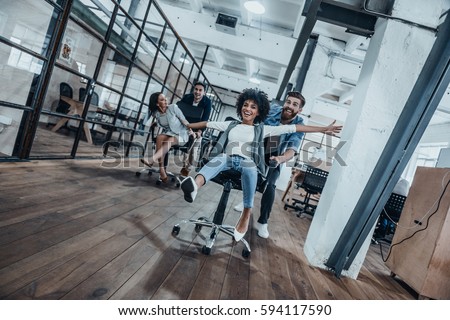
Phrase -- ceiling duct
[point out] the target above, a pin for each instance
(351, 14)
(226, 23)
(379, 6)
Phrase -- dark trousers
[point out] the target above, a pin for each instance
(268, 196)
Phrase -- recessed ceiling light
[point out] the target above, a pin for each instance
(254, 80)
(255, 7)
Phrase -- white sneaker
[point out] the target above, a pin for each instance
(239, 207)
(262, 230)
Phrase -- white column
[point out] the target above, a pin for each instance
(395, 57)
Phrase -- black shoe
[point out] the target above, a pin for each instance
(189, 188)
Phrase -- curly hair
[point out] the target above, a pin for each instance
(259, 97)
(153, 102)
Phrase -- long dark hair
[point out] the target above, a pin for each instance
(260, 98)
(153, 103)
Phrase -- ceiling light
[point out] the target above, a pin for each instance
(255, 7)
(254, 78)
(183, 59)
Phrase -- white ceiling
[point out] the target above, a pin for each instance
(230, 63)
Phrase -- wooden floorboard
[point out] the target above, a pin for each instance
(76, 229)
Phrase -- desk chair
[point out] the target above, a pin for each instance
(61, 106)
(64, 90)
(176, 178)
(313, 184)
(192, 115)
(82, 96)
(230, 179)
(389, 218)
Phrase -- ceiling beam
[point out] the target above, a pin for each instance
(196, 5)
(217, 56)
(308, 26)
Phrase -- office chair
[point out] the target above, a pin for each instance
(64, 90)
(192, 114)
(61, 106)
(313, 184)
(230, 179)
(389, 218)
(155, 169)
(82, 96)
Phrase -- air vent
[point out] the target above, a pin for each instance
(226, 23)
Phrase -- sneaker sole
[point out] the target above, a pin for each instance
(265, 236)
(187, 189)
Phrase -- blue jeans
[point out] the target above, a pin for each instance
(247, 168)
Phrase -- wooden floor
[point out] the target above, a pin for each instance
(83, 229)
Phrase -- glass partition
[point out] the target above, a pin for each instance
(154, 86)
(146, 54)
(136, 83)
(113, 70)
(94, 13)
(19, 75)
(32, 31)
(125, 34)
(79, 50)
(89, 102)
(154, 26)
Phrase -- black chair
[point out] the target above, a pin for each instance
(82, 96)
(155, 169)
(60, 105)
(313, 184)
(64, 90)
(389, 218)
(230, 179)
(192, 115)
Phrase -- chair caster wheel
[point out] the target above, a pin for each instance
(198, 228)
(172, 179)
(175, 230)
(206, 250)
(245, 253)
(285, 207)
(150, 173)
(177, 185)
(158, 182)
(138, 174)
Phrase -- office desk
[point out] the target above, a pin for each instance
(76, 108)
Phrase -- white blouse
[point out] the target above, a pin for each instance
(241, 137)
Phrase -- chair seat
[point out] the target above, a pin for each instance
(235, 177)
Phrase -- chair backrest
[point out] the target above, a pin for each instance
(65, 90)
(82, 96)
(191, 113)
(314, 180)
(394, 206)
(94, 99)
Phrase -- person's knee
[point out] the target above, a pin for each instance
(271, 186)
(249, 171)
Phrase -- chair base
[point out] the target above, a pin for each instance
(176, 179)
(302, 207)
(215, 230)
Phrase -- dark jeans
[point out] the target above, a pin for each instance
(268, 196)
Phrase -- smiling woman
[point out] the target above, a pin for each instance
(241, 147)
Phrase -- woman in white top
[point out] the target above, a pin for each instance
(174, 130)
(243, 149)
